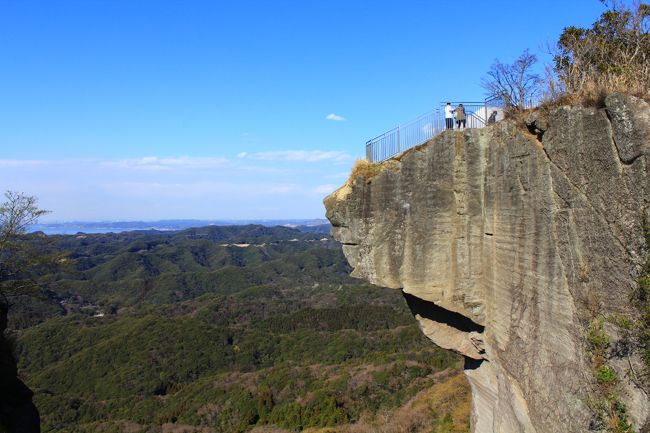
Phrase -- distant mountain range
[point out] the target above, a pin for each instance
(73, 227)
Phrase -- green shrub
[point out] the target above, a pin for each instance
(598, 339)
(605, 374)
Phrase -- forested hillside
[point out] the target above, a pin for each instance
(227, 329)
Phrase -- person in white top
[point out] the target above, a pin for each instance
(449, 116)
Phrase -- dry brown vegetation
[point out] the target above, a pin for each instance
(365, 168)
(611, 56)
(443, 408)
(589, 63)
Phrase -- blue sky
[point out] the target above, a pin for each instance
(233, 109)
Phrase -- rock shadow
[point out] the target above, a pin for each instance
(431, 311)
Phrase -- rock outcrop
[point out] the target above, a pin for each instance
(17, 411)
(507, 244)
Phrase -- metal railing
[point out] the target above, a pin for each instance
(475, 113)
(420, 130)
(405, 136)
(505, 102)
(427, 126)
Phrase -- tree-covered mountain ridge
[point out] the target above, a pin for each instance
(226, 329)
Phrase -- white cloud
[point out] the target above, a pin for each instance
(20, 162)
(144, 163)
(339, 176)
(325, 189)
(303, 155)
(211, 188)
(24, 163)
(280, 183)
(335, 117)
(280, 189)
(242, 154)
(155, 163)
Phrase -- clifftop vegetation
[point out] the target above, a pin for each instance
(589, 63)
(611, 56)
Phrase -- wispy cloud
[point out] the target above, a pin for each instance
(302, 155)
(338, 176)
(203, 188)
(39, 162)
(335, 117)
(251, 184)
(155, 163)
(325, 189)
(281, 189)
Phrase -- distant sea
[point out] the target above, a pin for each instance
(74, 227)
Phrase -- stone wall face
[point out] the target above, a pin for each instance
(507, 246)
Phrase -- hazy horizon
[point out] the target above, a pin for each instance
(119, 220)
(116, 226)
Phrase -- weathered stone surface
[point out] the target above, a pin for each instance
(537, 123)
(526, 240)
(630, 123)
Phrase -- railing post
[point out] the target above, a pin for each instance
(436, 121)
(369, 151)
(399, 147)
(485, 115)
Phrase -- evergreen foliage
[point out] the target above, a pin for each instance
(612, 55)
(196, 328)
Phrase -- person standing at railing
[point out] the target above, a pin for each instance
(460, 116)
(449, 116)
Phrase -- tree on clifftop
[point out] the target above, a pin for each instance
(613, 55)
(516, 82)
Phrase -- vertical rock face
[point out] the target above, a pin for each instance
(507, 246)
(17, 411)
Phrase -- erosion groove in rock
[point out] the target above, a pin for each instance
(528, 240)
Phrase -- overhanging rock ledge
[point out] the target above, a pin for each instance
(507, 244)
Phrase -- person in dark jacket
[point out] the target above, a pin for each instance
(460, 116)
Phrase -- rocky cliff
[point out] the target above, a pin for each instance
(17, 411)
(513, 246)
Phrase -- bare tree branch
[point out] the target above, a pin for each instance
(517, 80)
